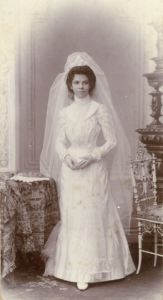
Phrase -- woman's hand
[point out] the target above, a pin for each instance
(69, 162)
(86, 161)
(75, 165)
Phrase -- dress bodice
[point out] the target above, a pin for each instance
(80, 126)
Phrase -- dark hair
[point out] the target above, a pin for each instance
(85, 70)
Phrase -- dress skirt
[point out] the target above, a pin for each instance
(89, 243)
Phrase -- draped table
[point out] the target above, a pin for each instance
(29, 210)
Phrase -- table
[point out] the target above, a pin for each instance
(29, 210)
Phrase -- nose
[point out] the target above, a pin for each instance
(81, 85)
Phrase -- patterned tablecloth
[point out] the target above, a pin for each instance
(29, 210)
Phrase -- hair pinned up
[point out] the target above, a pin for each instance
(84, 70)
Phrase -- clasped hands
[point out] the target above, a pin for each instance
(75, 164)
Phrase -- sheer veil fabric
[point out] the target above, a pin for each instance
(118, 163)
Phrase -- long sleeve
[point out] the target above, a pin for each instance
(61, 145)
(108, 134)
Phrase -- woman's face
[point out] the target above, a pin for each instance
(80, 85)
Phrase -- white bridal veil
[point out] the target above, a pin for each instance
(118, 166)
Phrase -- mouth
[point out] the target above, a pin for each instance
(82, 93)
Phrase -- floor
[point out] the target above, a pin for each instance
(29, 284)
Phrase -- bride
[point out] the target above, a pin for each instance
(89, 243)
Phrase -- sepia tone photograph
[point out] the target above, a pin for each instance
(81, 149)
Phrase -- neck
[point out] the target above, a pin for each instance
(82, 100)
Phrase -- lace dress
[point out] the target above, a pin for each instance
(89, 243)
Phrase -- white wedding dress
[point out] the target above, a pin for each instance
(89, 243)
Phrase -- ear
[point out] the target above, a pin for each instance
(71, 95)
(70, 88)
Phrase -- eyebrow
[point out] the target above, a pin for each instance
(75, 80)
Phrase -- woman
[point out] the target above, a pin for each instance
(89, 243)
